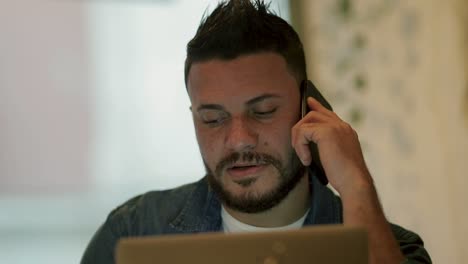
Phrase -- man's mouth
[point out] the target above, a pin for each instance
(243, 170)
(242, 166)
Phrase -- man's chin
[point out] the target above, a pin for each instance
(248, 196)
(246, 182)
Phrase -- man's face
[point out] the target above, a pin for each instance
(243, 110)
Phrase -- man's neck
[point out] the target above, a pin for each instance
(292, 208)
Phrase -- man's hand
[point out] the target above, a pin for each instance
(338, 145)
(343, 162)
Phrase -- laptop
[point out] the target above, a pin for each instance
(330, 244)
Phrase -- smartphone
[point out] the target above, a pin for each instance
(308, 89)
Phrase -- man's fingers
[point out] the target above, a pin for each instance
(301, 138)
(316, 117)
(315, 125)
(303, 152)
(315, 105)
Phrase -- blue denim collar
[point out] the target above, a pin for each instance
(201, 212)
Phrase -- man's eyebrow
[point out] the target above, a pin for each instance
(210, 107)
(248, 103)
(261, 98)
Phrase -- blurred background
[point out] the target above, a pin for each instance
(93, 110)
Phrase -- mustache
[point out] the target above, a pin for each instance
(246, 157)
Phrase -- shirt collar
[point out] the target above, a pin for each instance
(201, 212)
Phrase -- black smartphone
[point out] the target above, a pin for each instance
(308, 89)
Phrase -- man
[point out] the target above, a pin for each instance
(243, 71)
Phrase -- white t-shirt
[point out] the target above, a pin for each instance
(232, 225)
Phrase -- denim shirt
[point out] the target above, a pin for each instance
(194, 208)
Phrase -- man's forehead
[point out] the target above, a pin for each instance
(268, 61)
(258, 73)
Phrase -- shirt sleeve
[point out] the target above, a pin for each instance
(411, 245)
(100, 249)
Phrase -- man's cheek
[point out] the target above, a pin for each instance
(210, 157)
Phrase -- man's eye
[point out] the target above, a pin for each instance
(264, 113)
(216, 121)
(210, 118)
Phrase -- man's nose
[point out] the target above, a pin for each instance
(240, 136)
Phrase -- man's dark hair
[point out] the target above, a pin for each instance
(242, 27)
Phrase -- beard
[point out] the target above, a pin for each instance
(289, 176)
